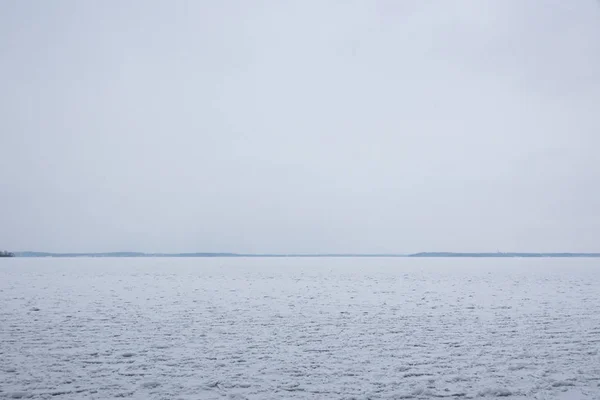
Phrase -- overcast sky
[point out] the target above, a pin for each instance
(300, 126)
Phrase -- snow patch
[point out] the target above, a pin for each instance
(19, 395)
(498, 392)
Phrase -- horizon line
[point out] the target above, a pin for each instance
(496, 254)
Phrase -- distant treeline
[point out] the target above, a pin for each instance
(489, 255)
(6, 254)
(122, 254)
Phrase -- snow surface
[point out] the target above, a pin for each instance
(299, 328)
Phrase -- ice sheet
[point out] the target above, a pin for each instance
(299, 328)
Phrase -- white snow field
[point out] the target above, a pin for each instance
(299, 328)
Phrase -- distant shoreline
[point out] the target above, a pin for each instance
(31, 254)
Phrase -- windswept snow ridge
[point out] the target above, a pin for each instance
(299, 329)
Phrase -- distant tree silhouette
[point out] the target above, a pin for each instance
(6, 254)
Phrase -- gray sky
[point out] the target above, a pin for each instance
(300, 126)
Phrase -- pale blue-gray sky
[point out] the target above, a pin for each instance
(300, 126)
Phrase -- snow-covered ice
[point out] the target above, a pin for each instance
(299, 328)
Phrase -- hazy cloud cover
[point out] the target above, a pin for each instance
(300, 126)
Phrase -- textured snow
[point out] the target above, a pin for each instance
(299, 328)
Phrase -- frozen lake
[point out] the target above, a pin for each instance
(299, 328)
